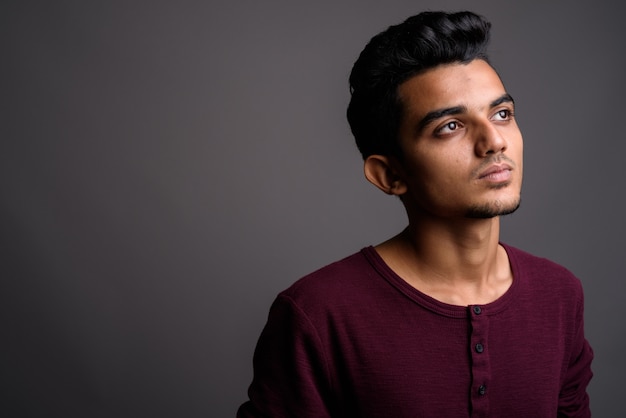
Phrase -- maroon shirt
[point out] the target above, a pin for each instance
(355, 340)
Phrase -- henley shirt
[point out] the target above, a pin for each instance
(353, 339)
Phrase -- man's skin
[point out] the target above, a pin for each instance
(461, 167)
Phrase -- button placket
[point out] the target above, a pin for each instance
(481, 366)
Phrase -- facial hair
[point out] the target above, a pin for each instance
(492, 210)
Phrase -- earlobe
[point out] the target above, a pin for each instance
(380, 171)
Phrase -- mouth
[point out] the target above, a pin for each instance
(496, 173)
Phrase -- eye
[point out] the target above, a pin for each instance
(503, 115)
(447, 128)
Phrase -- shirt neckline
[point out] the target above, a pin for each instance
(437, 306)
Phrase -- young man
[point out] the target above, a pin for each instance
(441, 320)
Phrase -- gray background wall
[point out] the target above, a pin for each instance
(167, 167)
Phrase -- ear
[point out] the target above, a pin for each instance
(381, 171)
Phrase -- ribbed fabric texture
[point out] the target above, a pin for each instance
(355, 340)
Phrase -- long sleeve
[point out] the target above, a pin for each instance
(353, 339)
(573, 398)
(290, 369)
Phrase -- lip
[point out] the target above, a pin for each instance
(496, 173)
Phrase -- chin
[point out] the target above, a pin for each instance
(492, 210)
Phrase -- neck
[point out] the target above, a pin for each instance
(465, 250)
(458, 262)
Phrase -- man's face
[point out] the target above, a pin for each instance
(462, 149)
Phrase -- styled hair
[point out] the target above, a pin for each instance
(421, 42)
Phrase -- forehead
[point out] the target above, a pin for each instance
(473, 84)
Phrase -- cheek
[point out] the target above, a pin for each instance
(516, 140)
(519, 153)
(441, 172)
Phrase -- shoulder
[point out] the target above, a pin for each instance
(349, 278)
(543, 274)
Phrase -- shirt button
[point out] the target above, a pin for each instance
(479, 348)
(482, 390)
(477, 310)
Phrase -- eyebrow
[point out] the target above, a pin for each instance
(456, 110)
(505, 98)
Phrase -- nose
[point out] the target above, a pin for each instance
(489, 140)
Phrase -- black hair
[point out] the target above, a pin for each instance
(421, 42)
